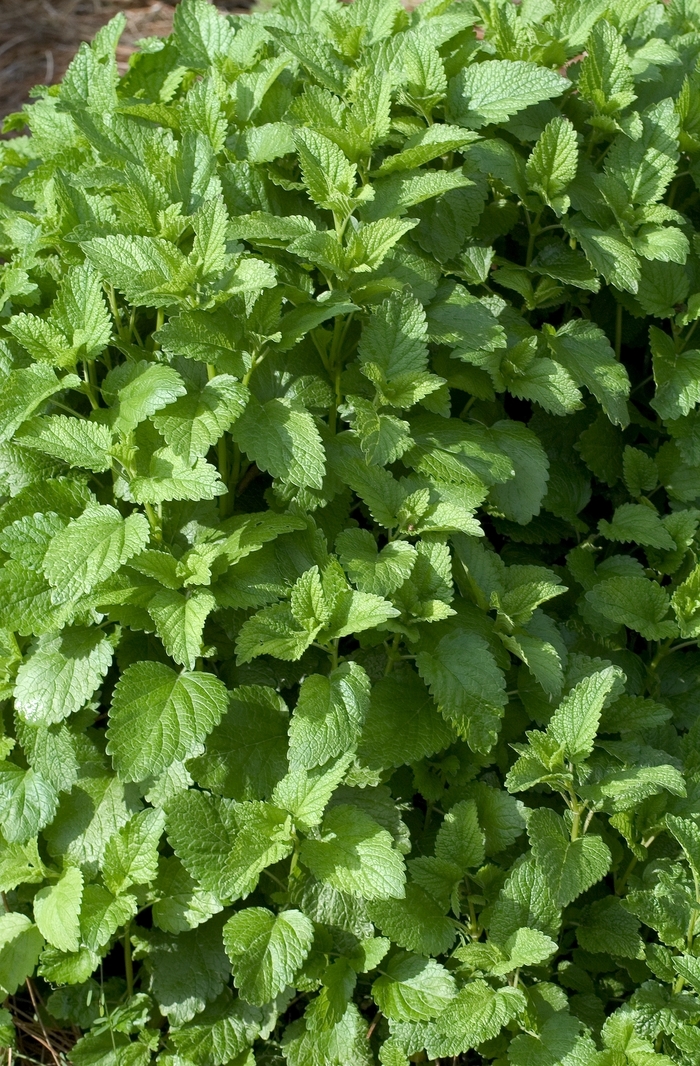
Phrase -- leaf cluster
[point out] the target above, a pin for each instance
(349, 507)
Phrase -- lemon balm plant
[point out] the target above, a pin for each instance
(350, 456)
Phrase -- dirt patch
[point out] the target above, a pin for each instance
(38, 38)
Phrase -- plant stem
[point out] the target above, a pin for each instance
(222, 454)
(577, 811)
(335, 369)
(620, 886)
(114, 308)
(534, 228)
(153, 522)
(618, 332)
(391, 653)
(90, 388)
(128, 961)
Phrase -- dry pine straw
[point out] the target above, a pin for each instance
(38, 38)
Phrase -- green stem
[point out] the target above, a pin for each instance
(391, 653)
(465, 410)
(225, 500)
(132, 328)
(90, 387)
(534, 231)
(620, 886)
(128, 962)
(665, 649)
(577, 810)
(689, 334)
(234, 478)
(153, 522)
(618, 332)
(576, 824)
(114, 308)
(473, 923)
(335, 366)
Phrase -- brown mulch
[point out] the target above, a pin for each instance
(38, 38)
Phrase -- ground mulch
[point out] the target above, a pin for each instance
(38, 38)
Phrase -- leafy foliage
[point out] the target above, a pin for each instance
(349, 581)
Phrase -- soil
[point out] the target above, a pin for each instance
(38, 38)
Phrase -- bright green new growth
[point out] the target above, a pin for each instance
(349, 593)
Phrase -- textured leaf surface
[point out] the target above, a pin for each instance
(266, 950)
(158, 717)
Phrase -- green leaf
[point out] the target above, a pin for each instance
(91, 548)
(606, 926)
(158, 717)
(402, 724)
(574, 724)
(413, 988)
(326, 172)
(282, 438)
(57, 911)
(179, 620)
(686, 604)
(609, 253)
(20, 946)
(329, 715)
(476, 1014)
(246, 754)
(225, 847)
(646, 165)
(306, 793)
(149, 271)
(606, 78)
(379, 572)
(394, 355)
(23, 391)
(491, 92)
(436, 140)
(354, 854)
(195, 422)
(266, 950)
(585, 352)
(61, 674)
(687, 834)
(466, 684)
(570, 866)
(416, 922)
(553, 162)
(635, 602)
(72, 440)
(639, 524)
(131, 855)
(520, 498)
(188, 971)
(677, 376)
(460, 839)
(181, 904)
(562, 1035)
(223, 1030)
(28, 802)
